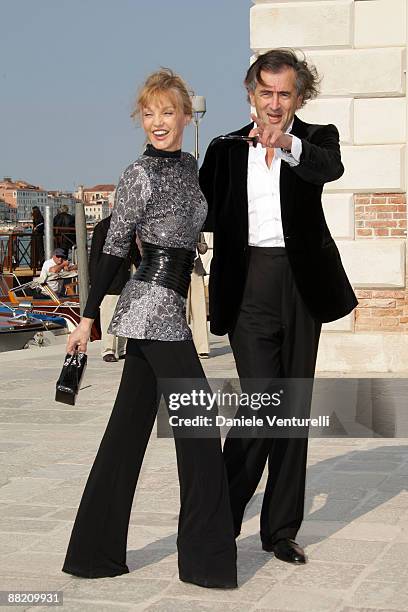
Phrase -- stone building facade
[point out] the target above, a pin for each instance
(360, 49)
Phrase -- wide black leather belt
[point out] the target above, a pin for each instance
(166, 266)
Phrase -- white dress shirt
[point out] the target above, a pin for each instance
(264, 211)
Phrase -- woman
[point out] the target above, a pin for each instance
(37, 239)
(159, 196)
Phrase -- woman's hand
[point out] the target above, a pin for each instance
(78, 339)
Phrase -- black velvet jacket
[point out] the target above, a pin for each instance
(312, 252)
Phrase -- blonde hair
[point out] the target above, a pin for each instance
(160, 84)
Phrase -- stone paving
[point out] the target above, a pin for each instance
(355, 530)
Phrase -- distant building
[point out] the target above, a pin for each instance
(94, 194)
(97, 200)
(7, 213)
(97, 211)
(4, 209)
(22, 196)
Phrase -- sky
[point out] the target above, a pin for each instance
(70, 71)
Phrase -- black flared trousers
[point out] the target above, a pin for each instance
(274, 337)
(206, 544)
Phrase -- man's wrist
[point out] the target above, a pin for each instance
(286, 145)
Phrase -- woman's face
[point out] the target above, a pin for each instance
(164, 121)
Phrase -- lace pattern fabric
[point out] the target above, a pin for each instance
(160, 199)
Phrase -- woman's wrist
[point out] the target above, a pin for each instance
(86, 322)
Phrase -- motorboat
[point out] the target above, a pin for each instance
(43, 300)
(18, 327)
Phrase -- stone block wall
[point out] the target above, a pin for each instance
(360, 49)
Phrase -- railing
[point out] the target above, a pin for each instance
(24, 250)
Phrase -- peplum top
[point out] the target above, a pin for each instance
(158, 197)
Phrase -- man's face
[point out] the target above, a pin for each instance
(277, 100)
(58, 259)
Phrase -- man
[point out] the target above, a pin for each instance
(112, 347)
(276, 273)
(64, 229)
(55, 265)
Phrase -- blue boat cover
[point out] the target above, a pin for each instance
(36, 315)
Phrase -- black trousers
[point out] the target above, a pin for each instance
(206, 544)
(274, 337)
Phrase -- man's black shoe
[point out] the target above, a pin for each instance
(286, 550)
(109, 358)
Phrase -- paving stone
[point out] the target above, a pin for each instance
(14, 542)
(371, 532)
(31, 525)
(64, 514)
(154, 536)
(382, 514)
(320, 528)
(16, 510)
(60, 470)
(169, 604)
(34, 564)
(333, 492)
(57, 540)
(152, 563)
(394, 484)
(6, 447)
(373, 465)
(302, 600)
(341, 479)
(115, 590)
(352, 609)
(21, 489)
(325, 575)
(154, 518)
(40, 416)
(262, 565)
(379, 498)
(34, 583)
(386, 595)
(62, 496)
(348, 551)
(334, 510)
(251, 591)
(71, 605)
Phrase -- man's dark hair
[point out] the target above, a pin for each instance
(307, 78)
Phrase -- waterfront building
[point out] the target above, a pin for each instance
(21, 197)
(98, 200)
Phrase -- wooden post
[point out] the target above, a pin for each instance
(82, 254)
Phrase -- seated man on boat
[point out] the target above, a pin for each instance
(58, 264)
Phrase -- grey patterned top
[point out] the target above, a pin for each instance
(160, 198)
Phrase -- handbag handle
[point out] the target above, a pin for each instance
(70, 361)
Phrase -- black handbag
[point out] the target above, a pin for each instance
(70, 378)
